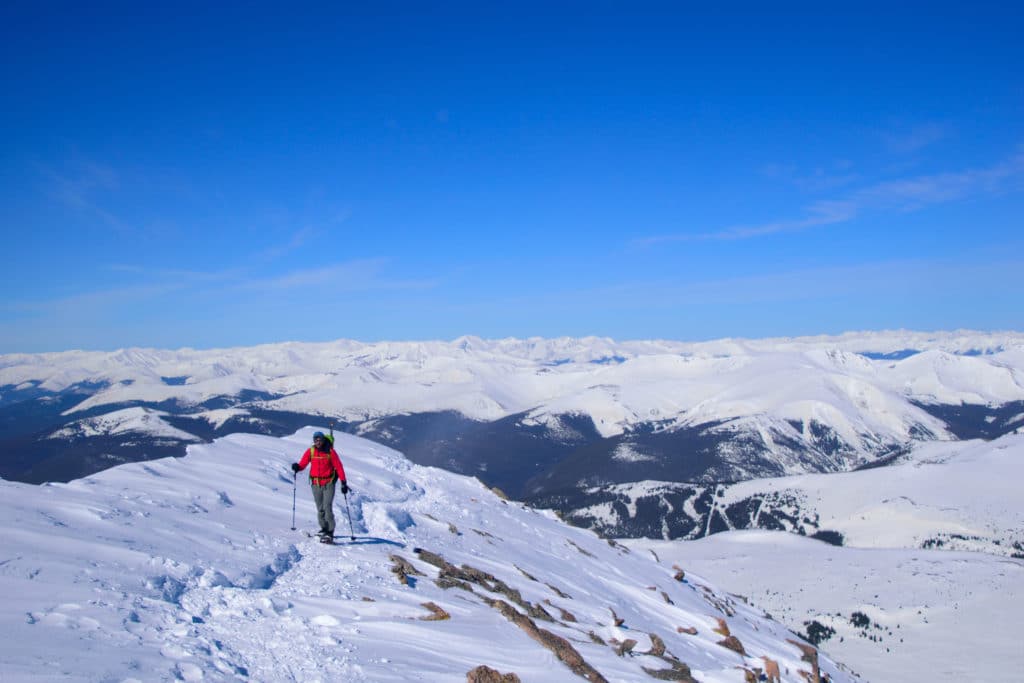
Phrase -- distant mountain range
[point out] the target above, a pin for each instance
(565, 423)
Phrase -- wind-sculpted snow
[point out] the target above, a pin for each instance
(187, 569)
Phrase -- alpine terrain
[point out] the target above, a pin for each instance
(188, 569)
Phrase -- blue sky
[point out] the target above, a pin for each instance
(194, 176)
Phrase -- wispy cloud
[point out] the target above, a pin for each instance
(298, 240)
(916, 138)
(821, 179)
(77, 186)
(182, 276)
(355, 275)
(315, 225)
(817, 214)
(909, 194)
(915, 193)
(873, 285)
(150, 289)
(359, 275)
(86, 303)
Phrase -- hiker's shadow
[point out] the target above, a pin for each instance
(373, 540)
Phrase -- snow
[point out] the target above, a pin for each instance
(217, 418)
(627, 454)
(187, 569)
(674, 383)
(125, 421)
(935, 615)
(968, 488)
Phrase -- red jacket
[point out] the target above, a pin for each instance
(325, 465)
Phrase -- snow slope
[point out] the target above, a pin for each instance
(187, 569)
(125, 421)
(964, 495)
(928, 609)
(921, 615)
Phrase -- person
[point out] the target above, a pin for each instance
(325, 470)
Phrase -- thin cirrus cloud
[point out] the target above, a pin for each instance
(84, 304)
(77, 187)
(916, 138)
(903, 195)
(186, 285)
(359, 275)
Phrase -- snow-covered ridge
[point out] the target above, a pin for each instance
(187, 569)
(126, 421)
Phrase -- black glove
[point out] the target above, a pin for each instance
(295, 467)
(344, 487)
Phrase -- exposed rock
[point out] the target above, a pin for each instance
(809, 655)
(403, 569)
(678, 672)
(615, 544)
(771, 670)
(558, 592)
(485, 674)
(446, 582)
(733, 643)
(718, 603)
(582, 550)
(496, 585)
(562, 648)
(749, 676)
(431, 558)
(625, 647)
(565, 614)
(657, 646)
(691, 631)
(436, 613)
(525, 573)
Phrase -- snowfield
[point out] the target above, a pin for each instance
(962, 495)
(187, 569)
(898, 615)
(927, 609)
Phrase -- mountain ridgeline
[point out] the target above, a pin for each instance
(632, 439)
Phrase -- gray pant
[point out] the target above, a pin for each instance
(323, 496)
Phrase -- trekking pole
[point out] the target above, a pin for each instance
(351, 533)
(295, 476)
